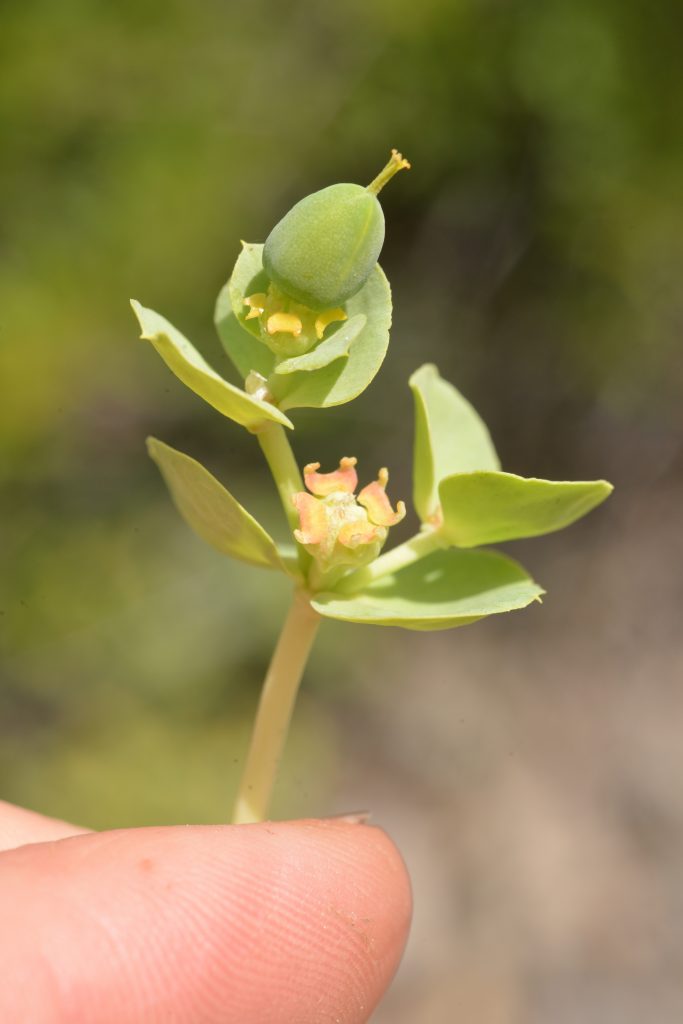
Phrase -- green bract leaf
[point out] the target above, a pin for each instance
(332, 384)
(445, 589)
(211, 510)
(345, 379)
(450, 437)
(189, 366)
(334, 347)
(486, 508)
(240, 337)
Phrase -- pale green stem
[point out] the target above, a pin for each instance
(280, 457)
(405, 554)
(289, 658)
(275, 711)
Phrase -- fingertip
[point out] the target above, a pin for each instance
(371, 852)
(362, 868)
(362, 911)
(283, 921)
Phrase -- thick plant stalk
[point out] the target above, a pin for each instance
(275, 711)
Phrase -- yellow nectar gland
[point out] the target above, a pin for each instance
(284, 323)
(288, 327)
(257, 304)
(336, 527)
(324, 320)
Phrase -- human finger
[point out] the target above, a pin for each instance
(277, 922)
(19, 826)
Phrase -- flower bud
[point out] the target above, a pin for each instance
(323, 251)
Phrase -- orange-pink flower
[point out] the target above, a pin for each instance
(337, 528)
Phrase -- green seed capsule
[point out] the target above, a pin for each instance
(323, 251)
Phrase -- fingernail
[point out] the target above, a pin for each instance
(352, 817)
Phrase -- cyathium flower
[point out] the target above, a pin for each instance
(336, 527)
(287, 327)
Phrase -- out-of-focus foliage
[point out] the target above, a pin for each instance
(535, 253)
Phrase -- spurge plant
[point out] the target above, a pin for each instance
(305, 320)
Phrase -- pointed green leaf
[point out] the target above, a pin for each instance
(189, 366)
(445, 589)
(334, 347)
(450, 437)
(486, 508)
(211, 511)
(332, 384)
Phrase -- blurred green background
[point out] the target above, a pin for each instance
(529, 767)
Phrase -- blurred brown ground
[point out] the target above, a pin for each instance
(530, 771)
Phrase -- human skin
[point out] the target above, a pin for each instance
(298, 922)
